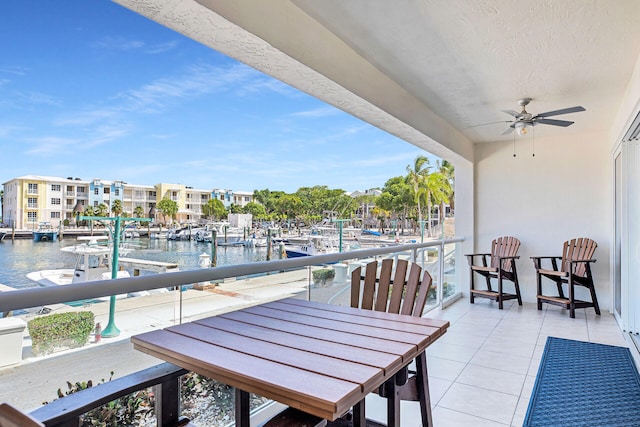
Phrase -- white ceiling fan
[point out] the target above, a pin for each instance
(525, 120)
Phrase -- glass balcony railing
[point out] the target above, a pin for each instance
(153, 301)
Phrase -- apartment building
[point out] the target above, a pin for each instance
(31, 199)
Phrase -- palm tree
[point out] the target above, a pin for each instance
(447, 169)
(416, 178)
(102, 210)
(117, 207)
(138, 211)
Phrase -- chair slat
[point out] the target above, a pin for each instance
(411, 289)
(355, 287)
(382, 296)
(423, 294)
(396, 293)
(369, 285)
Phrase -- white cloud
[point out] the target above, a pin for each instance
(118, 43)
(318, 112)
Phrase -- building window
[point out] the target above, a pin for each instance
(55, 187)
(107, 190)
(80, 189)
(32, 188)
(222, 197)
(55, 215)
(95, 203)
(247, 199)
(96, 191)
(117, 192)
(32, 203)
(139, 194)
(32, 216)
(55, 201)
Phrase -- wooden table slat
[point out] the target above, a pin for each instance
(311, 362)
(436, 323)
(403, 349)
(350, 328)
(363, 356)
(396, 325)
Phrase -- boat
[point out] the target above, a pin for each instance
(315, 245)
(2, 234)
(130, 233)
(45, 232)
(94, 262)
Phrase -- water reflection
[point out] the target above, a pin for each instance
(22, 256)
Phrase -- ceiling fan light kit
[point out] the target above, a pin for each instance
(522, 128)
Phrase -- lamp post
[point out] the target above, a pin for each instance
(111, 330)
(422, 223)
(340, 222)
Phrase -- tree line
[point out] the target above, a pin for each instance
(411, 197)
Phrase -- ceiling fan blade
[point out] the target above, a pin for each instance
(490, 123)
(563, 123)
(576, 109)
(509, 130)
(512, 113)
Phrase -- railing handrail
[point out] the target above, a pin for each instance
(40, 296)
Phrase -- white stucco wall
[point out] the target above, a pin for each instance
(561, 193)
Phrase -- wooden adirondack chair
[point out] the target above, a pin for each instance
(402, 295)
(501, 266)
(574, 269)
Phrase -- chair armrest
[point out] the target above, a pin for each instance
(509, 257)
(575, 261)
(537, 261)
(477, 254)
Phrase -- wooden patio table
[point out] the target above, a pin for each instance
(319, 358)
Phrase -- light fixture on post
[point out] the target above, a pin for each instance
(522, 128)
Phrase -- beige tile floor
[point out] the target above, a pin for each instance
(482, 371)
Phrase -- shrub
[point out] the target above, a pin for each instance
(322, 275)
(130, 410)
(60, 330)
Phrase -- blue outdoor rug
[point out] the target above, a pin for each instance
(584, 384)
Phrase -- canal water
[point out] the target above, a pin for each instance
(22, 256)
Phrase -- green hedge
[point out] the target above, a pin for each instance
(60, 330)
(323, 274)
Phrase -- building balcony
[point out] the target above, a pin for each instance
(467, 386)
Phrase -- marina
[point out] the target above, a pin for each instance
(21, 257)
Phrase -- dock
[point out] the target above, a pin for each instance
(148, 265)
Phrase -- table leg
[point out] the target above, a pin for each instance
(242, 408)
(422, 379)
(393, 403)
(359, 418)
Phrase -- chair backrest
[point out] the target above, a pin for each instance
(576, 249)
(12, 417)
(502, 247)
(407, 295)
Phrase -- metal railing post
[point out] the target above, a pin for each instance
(440, 274)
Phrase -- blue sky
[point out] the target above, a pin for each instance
(90, 89)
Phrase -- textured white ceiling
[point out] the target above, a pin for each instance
(469, 59)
